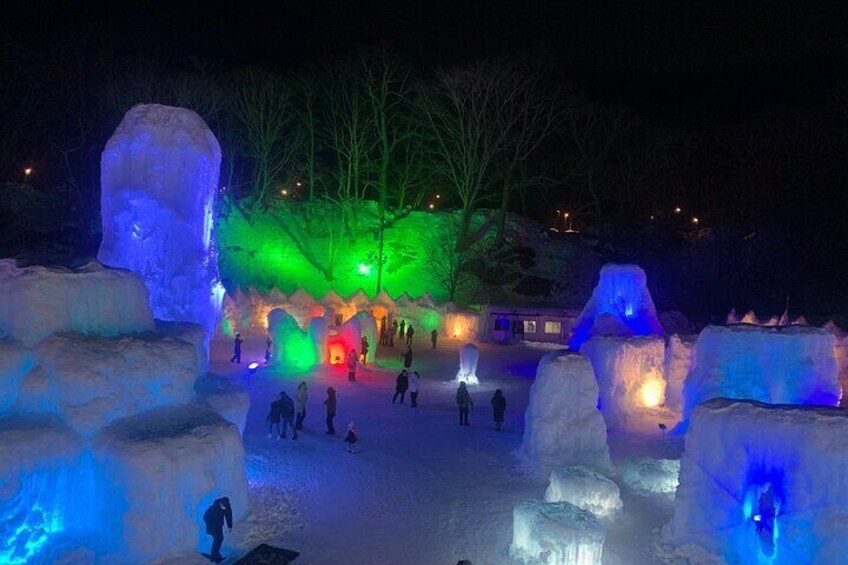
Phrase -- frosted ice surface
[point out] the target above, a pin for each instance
(230, 401)
(585, 489)
(651, 476)
(15, 362)
(555, 533)
(678, 363)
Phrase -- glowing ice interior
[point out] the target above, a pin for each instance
(468, 357)
(556, 533)
(586, 489)
(293, 348)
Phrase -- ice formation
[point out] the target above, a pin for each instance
(159, 176)
(562, 425)
(169, 464)
(678, 363)
(778, 365)
(468, 357)
(647, 476)
(629, 372)
(317, 332)
(15, 362)
(841, 350)
(40, 301)
(342, 340)
(620, 305)
(764, 483)
(368, 328)
(586, 489)
(555, 533)
(230, 401)
(292, 347)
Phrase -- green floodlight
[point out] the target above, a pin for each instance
(364, 269)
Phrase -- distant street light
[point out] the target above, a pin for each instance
(695, 221)
(431, 206)
(678, 210)
(27, 171)
(284, 192)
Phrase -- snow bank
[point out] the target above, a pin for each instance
(170, 464)
(159, 177)
(292, 348)
(90, 381)
(620, 305)
(764, 483)
(586, 489)
(562, 425)
(40, 301)
(647, 476)
(629, 372)
(678, 363)
(555, 533)
(778, 365)
(469, 355)
(230, 401)
(15, 362)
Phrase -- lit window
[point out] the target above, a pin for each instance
(529, 326)
(553, 328)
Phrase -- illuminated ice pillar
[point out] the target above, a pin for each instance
(468, 357)
(556, 533)
(293, 348)
(159, 177)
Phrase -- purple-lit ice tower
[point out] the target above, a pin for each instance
(159, 178)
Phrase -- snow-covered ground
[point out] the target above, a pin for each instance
(421, 488)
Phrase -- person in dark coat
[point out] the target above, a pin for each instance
(236, 358)
(364, 348)
(401, 329)
(407, 358)
(273, 418)
(401, 386)
(392, 333)
(268, 343)
(434, 335)
(352, 362)
(410, 331)
(214, 518)
(463, 400)
(287, 414)
(351, 438)
(331, 409)
(498, 408)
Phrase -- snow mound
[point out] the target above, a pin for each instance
(778, 365)
(764, 483)
(555, 533)
(230, 401)
(159, 176)
(620, 306)
(562, 425)
(647, 476)
(170, 464)
(41, 301)
(629, 372)
(586, 489)
(90, 381)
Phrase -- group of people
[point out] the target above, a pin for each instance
(464, 402)
(286, 412)
(406, 381)
(402, 330)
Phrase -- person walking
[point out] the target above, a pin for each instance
(392, 333)
(434, 335)
(268, 343)
(410, 331)
(287, 414)
(402, 329)
(414, 387)
(273, 418)
(236, 358)
(331, 409)
(364, 347)
(352, 362)
(407, 358)
(351, 438)
(463, 400)
(498, 408)
(214, 518)
(300, 405)
(401, 385)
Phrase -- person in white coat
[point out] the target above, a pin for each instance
(414, 387)
(300, 405)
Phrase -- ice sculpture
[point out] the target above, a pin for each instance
(230, 401)
(555, 533)
(468, 357)
(317, 331)
(778, 365)
(292, 347)
(620, 305)
(368, 328)
(40, 301)
(764, 483)
(629, 372)
(678, 363)
(342, 340)
(562, 425)
(586, 489)
(159, 177)
(647, 476)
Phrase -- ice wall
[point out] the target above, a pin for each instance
(679, 353)
(778, 365)
(555, 533)
(629, 372)
(620, 306)
(562, 425)
(292, 347)
(40, 301)
(15, 362)
(469, 355)
(764, 483)
(230, 401)
(159, 177)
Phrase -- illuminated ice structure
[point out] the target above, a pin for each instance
(159, 177)
(629, 371)
(778, 365)
(562, 425)
(293, 348)
(586, 489)
(646, 476)
(555, 533)
(679, 353)
(620, 306)
(104, 441)
(763, 484)
(468, 357)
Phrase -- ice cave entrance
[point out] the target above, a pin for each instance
(761, 508)
(337, 353)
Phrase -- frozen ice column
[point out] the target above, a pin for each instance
(159, 176)
(468, 357)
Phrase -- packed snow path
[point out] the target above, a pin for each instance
(421, 488)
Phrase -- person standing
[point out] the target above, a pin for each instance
(410, 331)
(498, 408)
(407, 358)
(364, 347)
(268, 343)
(273, 418)
(214, 518)
(392, 334)
(331, 409)
(463, 400)
(414, 387)
(352, 362)
(352, 437)
(434, 335)
(236, 358)
(300, 405)
(401, 385)
(402, 330)
(287, 414)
